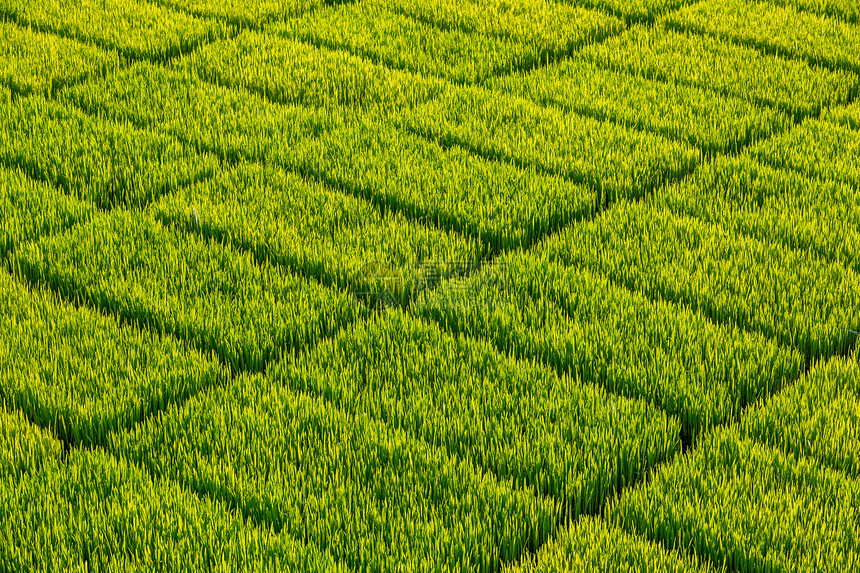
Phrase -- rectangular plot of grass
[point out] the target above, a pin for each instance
(791, 296)
(847, 10)
(816, 148)
(32, 61)
(311, 228)
(775, 205)
(95, 160)
(95, 511)
(696, 115)
(135, 28)
(231, 123)
(194, 288)
(363, 490)
(592, 545)
(744, 505)
(821, 40)
(583, 326)
(555, 436)
(496, 202)
(816, 418)
(30, 209)
(244, 12)
(288, 71)
(401, 42)
(709, 62)
(522, 21)
(81, 374)
(619, 162)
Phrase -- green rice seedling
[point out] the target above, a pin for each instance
(817, 418)
(32, 61)
(98, 513)
(493, 201)
(521, 21)
(388, 38)
(846, 10)
(617, 161)
(365, 491)
(81, 374)
(848, 115)
(288, 71)
(817, 148)
(821, 40)
(311, 228)
(748, 507)
(94, 160)
(710, 62)
(592, 545)
(713, 122)
(554, 436)
(792, 296)
(23, 446)
(244, 12)
(233, 124)
(30, 209)
(540, 310)
(192, 287)
(774, 205)
(135, 28)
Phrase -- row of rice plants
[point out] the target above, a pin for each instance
(699, 116)
(94, 160)
(748, 507)
(501, 204)
(718, 64)
(593, 545)
(95, 512)
(365, 491)
(288, 71)
(30, 209)
(847, 10)
(135, 28)
(233, 124)
(522, 21)
(617, 161)
(748, 197)
(534, 307)
(821, 40)
(817, 148)
(313, 229)
(791, 296)
(82, 375)
(379, 34)
(179, 283)
(815, 418)
(555, 436)
(244, 12)
(32, 61)
(490, 200)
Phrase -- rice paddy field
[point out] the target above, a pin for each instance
(429, 286)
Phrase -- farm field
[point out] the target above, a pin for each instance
(429, 286)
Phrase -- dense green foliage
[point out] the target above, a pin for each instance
(703, 118)
(584, 326)
(244, 12)
(787, 295)
(192, 287)
(713, 63)
(31, 61)
(95, 160)
(749, 507)
(80, 373)
(135, 28)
